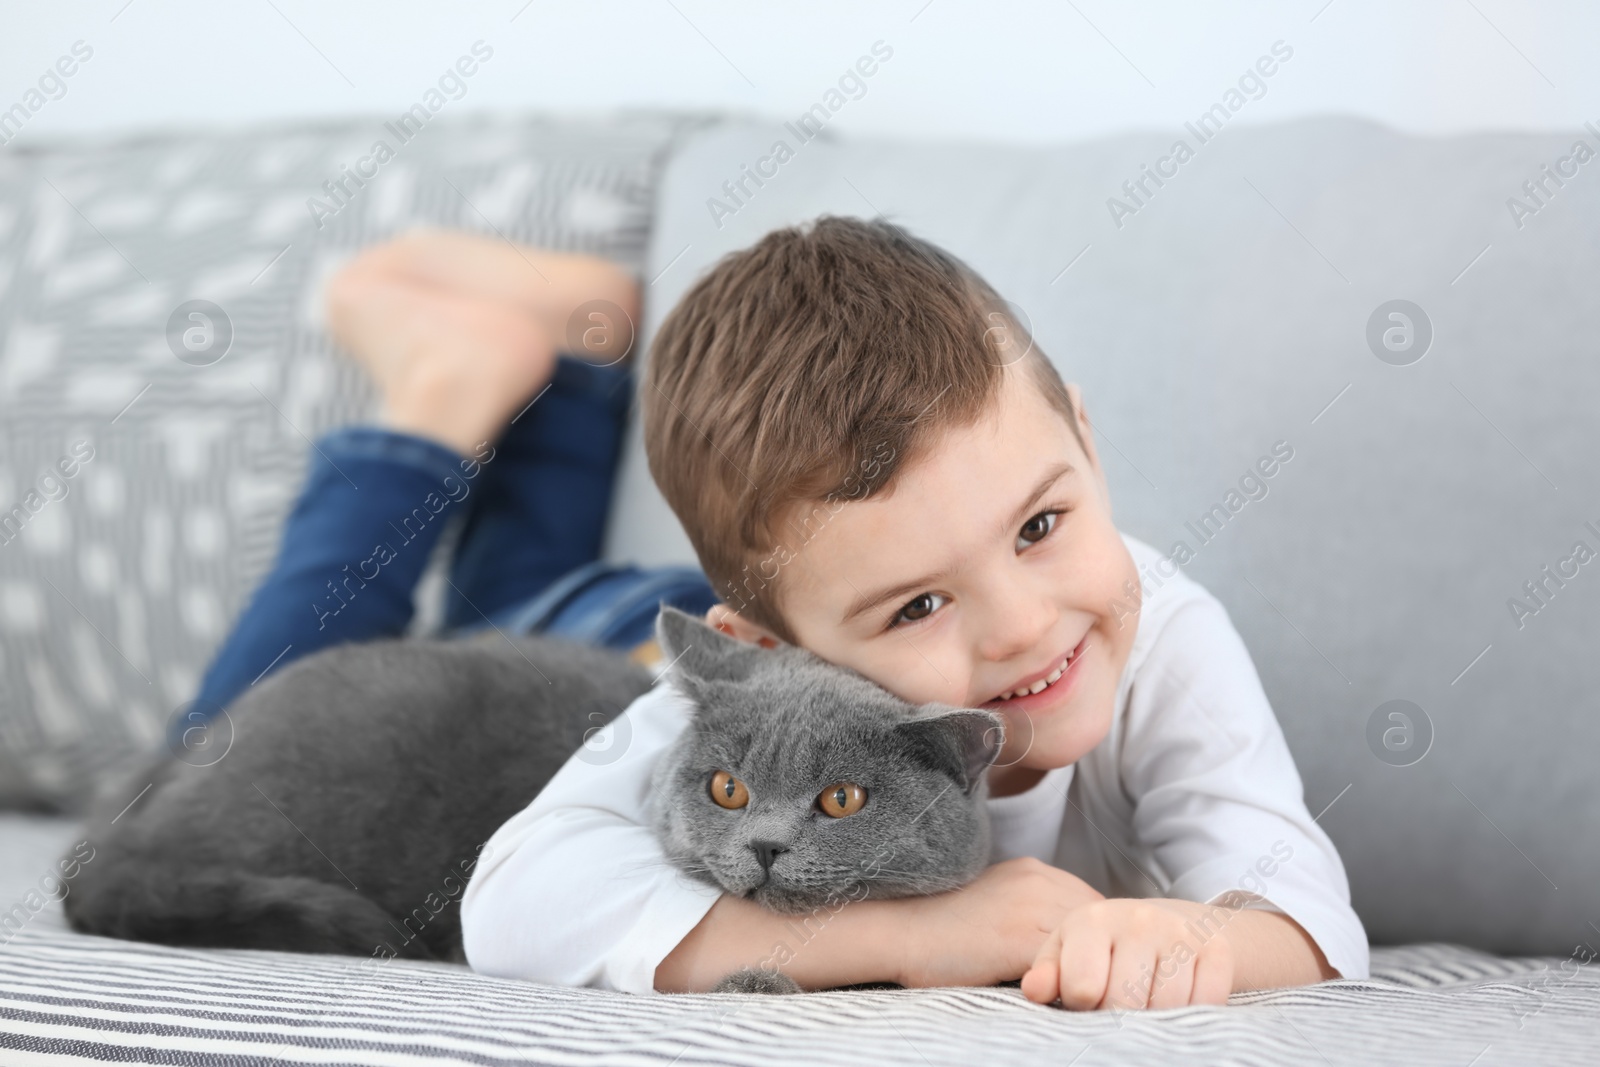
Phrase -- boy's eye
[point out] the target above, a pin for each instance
(1037, 528)
(918, 607)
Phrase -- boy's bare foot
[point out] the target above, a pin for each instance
(460, 331)
(587, 305)
(448, 367)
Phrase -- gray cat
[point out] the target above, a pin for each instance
(360, 784)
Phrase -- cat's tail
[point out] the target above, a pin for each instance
(138, 901)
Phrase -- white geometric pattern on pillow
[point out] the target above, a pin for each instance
(114, 596)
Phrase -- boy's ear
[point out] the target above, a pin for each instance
(1085, 434)
(967, 740)
(699, 651)
(724, 619)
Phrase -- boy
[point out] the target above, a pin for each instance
(880, 367)
(875, 466)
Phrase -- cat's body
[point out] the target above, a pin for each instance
(362, 782)
(357, 787)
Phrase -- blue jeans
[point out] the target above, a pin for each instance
(375, 502)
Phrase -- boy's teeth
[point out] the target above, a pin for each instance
(1037, 687)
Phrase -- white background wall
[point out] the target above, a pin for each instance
(1023, 69)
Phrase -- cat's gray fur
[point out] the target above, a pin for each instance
(363, 780)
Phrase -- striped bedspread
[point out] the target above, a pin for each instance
(69, 998)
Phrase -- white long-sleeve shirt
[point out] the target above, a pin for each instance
(1192, 795)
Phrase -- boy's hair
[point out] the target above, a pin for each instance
(807, 370)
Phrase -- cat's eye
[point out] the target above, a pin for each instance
(841, 799)
(1037, 528)
(728, 791)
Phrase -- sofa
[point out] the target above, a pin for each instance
(1411, 318)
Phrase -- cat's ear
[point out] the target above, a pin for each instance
(701, 652)
(966, 740)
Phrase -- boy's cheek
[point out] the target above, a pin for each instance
(916, 683)
(898, 667)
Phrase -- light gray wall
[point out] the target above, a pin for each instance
(1030, 70)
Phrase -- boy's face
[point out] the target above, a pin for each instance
(990, 560)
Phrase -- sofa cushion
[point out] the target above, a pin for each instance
(149, 457)
(97, 1000)
(1234, 316)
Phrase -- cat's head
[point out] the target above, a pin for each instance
(800, 784)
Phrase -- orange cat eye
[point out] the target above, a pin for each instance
(841, 799)
(728, 791)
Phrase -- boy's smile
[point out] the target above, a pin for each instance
(991, 568)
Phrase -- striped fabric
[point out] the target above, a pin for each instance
(68, 998)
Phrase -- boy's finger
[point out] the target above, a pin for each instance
(1039, 984)
(1213, 980)
(1085, 965)
(1133, 965)
(1173, 982)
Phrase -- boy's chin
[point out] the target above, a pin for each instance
(1052, 740)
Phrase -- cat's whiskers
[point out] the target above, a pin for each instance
(928, 881)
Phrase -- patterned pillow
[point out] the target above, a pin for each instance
(163, 366)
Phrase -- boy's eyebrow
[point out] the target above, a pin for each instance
(1025, 509)
(867, 601)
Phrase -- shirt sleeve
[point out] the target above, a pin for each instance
(1218, 799)
(575, 889)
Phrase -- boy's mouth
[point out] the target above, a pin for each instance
(1041, 683)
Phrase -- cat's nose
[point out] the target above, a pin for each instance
(765, 851)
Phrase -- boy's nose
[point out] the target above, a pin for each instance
(1016, 625)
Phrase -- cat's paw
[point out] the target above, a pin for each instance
(757, 980)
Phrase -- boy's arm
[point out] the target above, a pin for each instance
(986, 932)
(861, 942)
(1222, 805)
(575, 889)
(1272, 951)
(1131, 953)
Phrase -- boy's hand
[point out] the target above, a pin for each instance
(990, 930)
(1128, 954)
